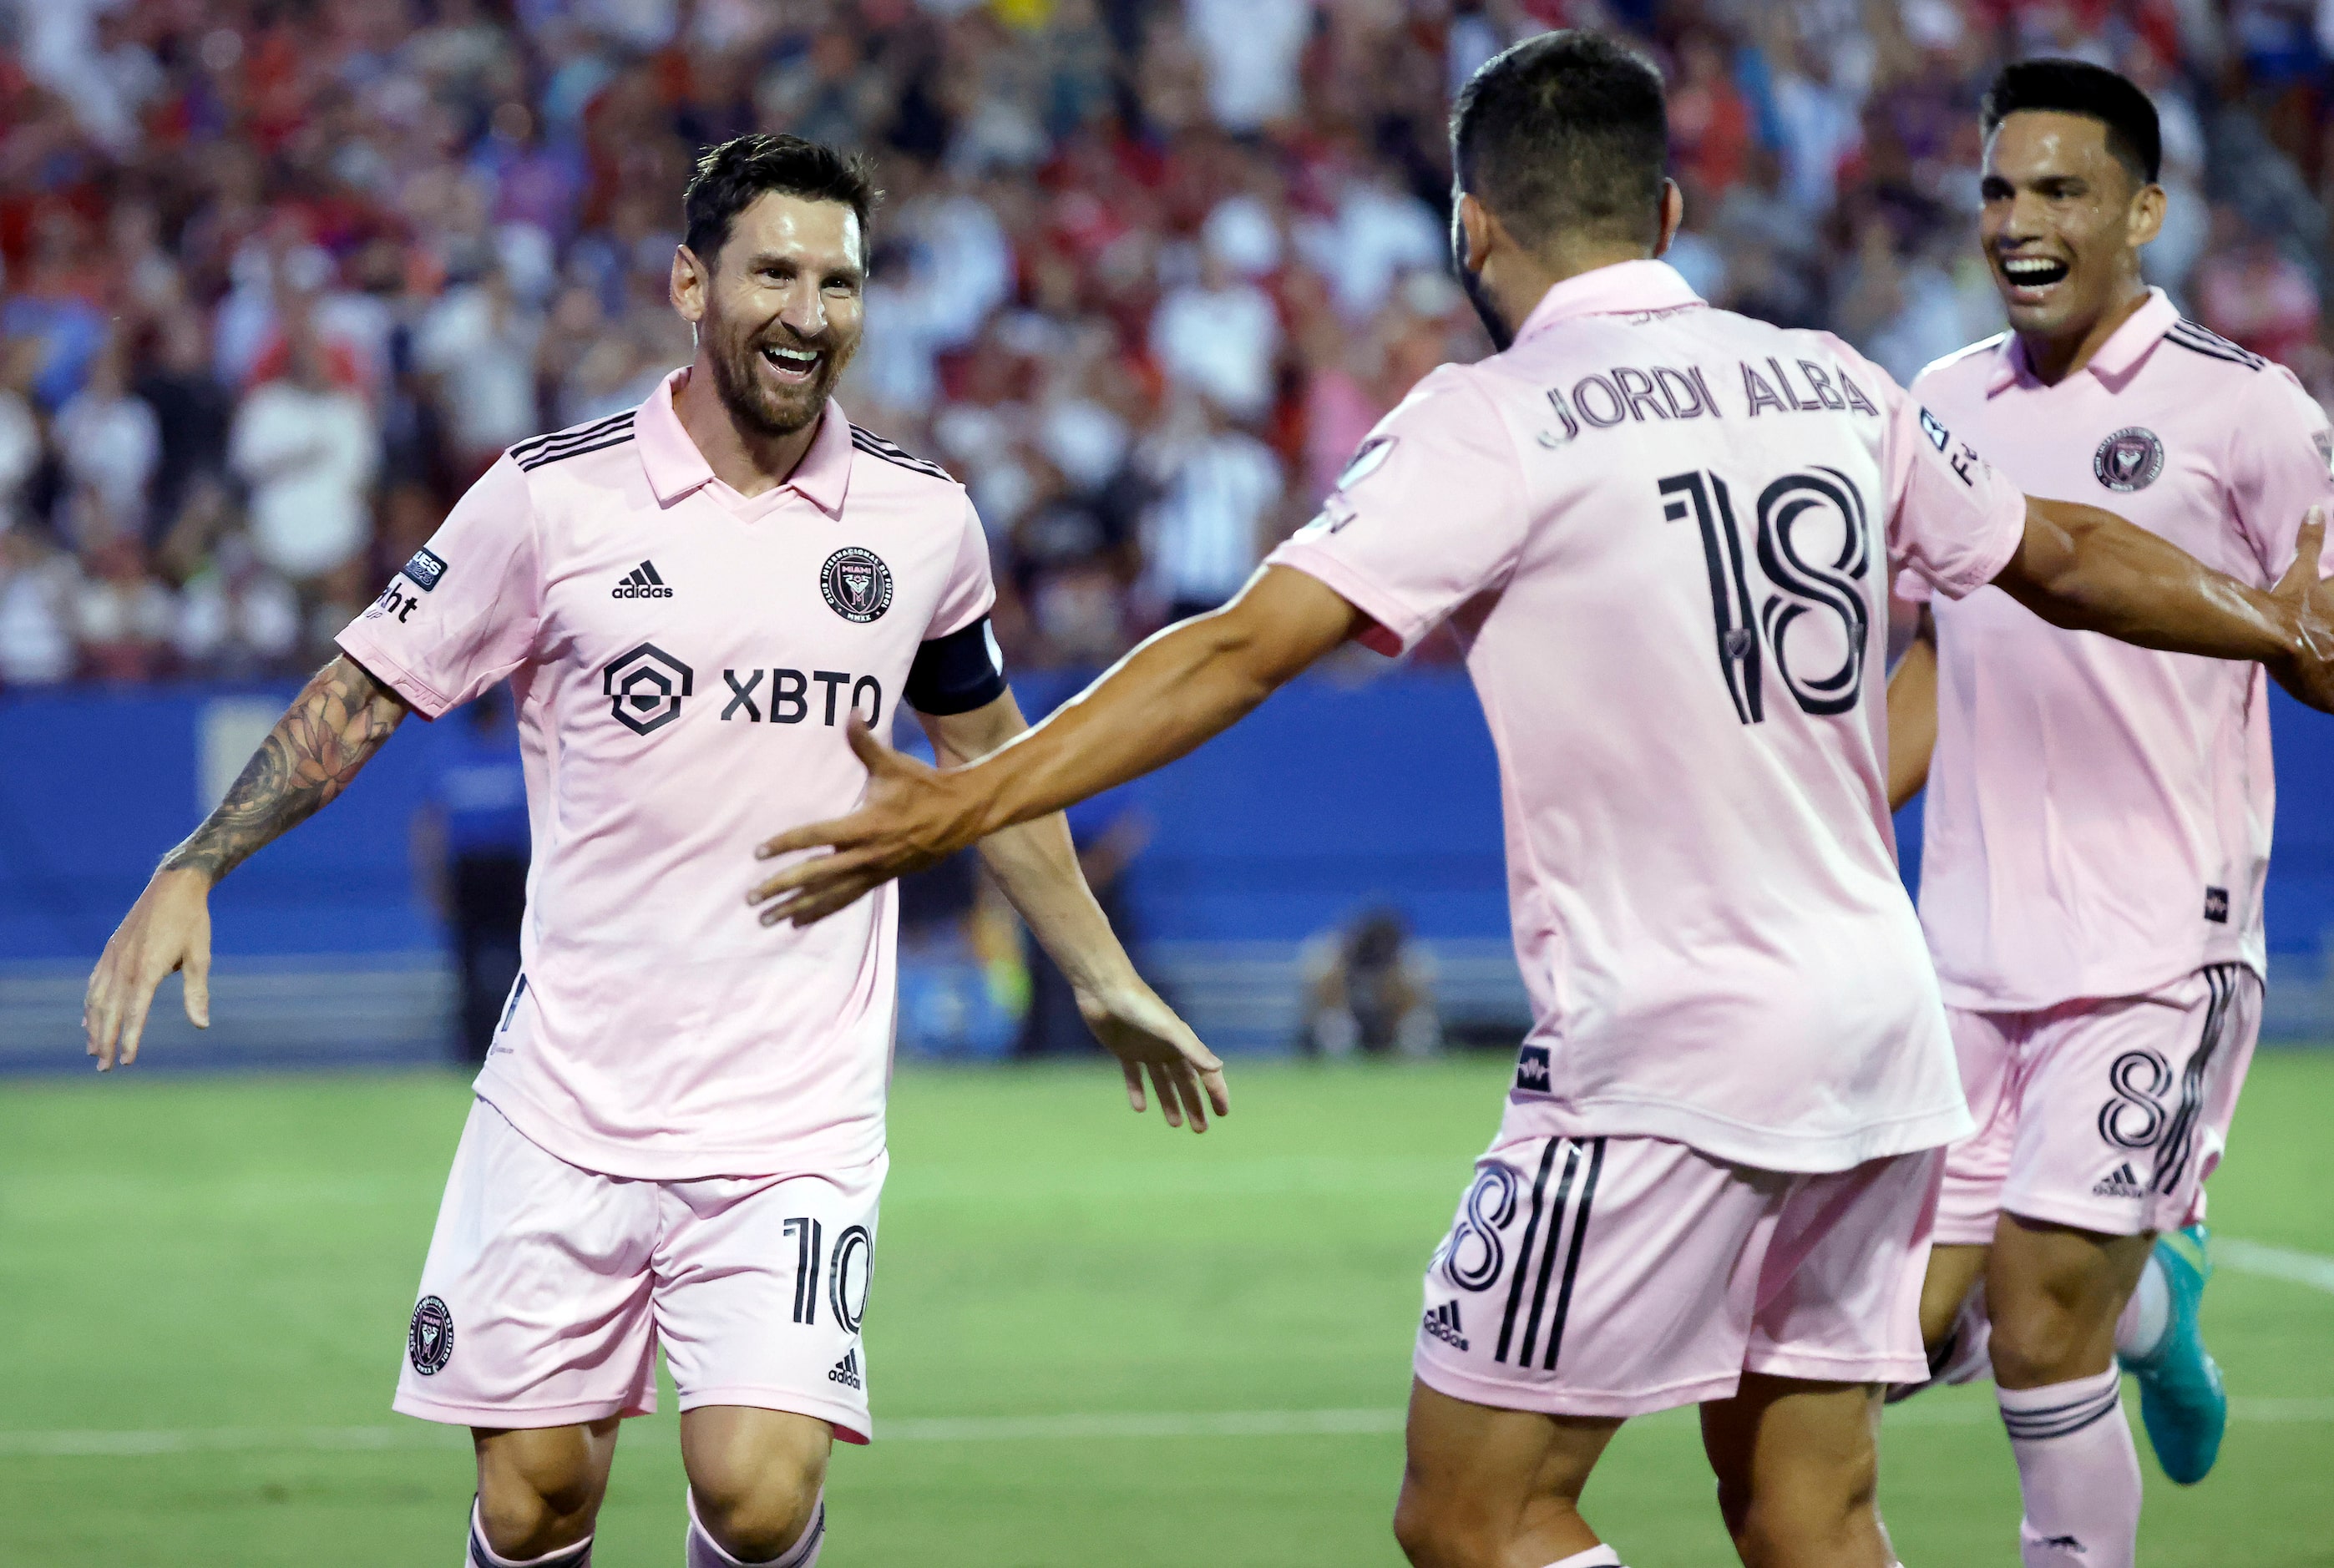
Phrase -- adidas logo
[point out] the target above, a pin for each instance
(1442, 1323)
(641, 583)
(2120, 1182)
(847, 1370)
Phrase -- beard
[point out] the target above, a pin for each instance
(1471, 284)
(753, 403)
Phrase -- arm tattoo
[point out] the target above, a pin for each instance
(329, 731)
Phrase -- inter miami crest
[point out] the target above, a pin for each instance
(429, 1338)
(2128, 460)
(857, 584)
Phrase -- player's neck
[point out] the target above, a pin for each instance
(2054, 358)
(749, 461)
(1517, 289)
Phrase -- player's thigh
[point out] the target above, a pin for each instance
(1841, 1281)
(1989, 1047)
(2128, 1104)
(1478, 1481)
(1797, 1465)
(1596, 1277)
(1952, 1274)
(754, 1475)
(761, 1287)
(534, 1303)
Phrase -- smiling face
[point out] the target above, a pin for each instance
(780, 313)
(2063, 222)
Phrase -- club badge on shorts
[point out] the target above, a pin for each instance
(2128, 460)
(429, 1338)
(856, 583)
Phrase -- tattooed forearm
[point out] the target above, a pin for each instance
(328, 733)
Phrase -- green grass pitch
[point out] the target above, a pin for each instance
(204, 1285)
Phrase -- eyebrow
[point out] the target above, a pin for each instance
(766, 260)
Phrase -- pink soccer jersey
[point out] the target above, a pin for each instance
(1664, 532)
(684, 661)
(2098, 814)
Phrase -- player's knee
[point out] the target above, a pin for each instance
(537, 1500)
(758, 1516)
(2039, 1332)
(1823, 1511)
(1438, 1530)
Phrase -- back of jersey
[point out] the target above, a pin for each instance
(1665, 533)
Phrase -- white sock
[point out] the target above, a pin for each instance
(2077, 1470)
(482, 1555)
(2148, 1315)
(705, 1551)
(1595, 1557)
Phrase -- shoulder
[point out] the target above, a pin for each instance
(573, 442)
(2206, 344)
(895, 465)
(1974, 362)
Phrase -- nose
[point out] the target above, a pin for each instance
(805, 312)
(2024, 220)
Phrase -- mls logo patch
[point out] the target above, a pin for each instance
(1366, 462)
(2128, 460)
(429, 1338)
(856, 584)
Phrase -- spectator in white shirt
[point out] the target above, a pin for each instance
(109, 441)
(1218, 337)
(1222, 492)
(1252, 49)
(308, 451)
(479, 342)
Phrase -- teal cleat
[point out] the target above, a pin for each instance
(2181, 1400)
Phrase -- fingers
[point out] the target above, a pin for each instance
(134, 1027)
(1162, 1083)
(1220, 1093)
(880, 758)
(100, 1016)
(2302, 576)
(1133, 1085)
(814, 875)
(810, 836)
(1195, 1105)
(197, 966)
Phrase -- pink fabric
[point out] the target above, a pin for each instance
(557, 1285)
(1618, 1276)
(1706, 909)
(2098, 814)
(658, 1029)
(2105, 1115)
(2077, 1471)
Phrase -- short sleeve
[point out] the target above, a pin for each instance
(2280, 465)
(1953, 519)
(1430, 513)
(970, 593)
(464, 611)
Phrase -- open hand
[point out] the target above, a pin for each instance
(911, 819)
(2309, 674)
(169, 927)
(1145, 1035)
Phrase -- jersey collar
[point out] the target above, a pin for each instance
(1625, 286)
(675, 466)
(2117, 359)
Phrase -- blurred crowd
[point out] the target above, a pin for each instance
(283, 276)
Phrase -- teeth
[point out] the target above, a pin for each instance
(795, 357)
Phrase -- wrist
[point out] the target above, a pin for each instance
(175, 872)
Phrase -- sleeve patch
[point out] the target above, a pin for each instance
(1938, 436)
(425, 568)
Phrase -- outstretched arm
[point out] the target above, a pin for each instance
(2087, 570)
(1037, 864)
(1182, 685)
(329, 731)
(1912, 714)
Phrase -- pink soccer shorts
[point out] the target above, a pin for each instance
(1617, 1276)
(548, 1289)
(2105, 1115)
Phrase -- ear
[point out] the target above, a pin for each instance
(1471, 227)
(689, 281)
(1673, 215)
(2145, 219)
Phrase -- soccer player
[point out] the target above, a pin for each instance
(1663, 532)
(2099, 823)
(678, 1137)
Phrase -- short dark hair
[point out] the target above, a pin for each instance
(1564, 133)
(2093, 92)
(732, 177)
